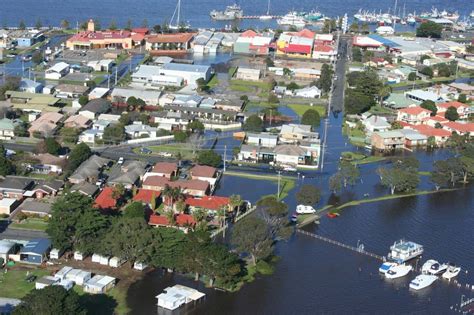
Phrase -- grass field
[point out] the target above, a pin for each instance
(287, 183)
(300, 109)
(267, 86)
(13, 284)
(34, 224)
(213, 81)
(242, 88)
(183, 149)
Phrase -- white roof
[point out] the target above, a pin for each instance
(7, 202)
(100, 281)
(98, 92)
(5, 246)
(59, 67)
(181, 290)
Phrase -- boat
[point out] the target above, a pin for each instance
(403, 251)
(398, 271)
(333, 215)
(231, 12)
(294, 218)
(472, 14)
(452, 16)
(386, 266)
(451, 272)
(267, 16)
(177, 15)
(302, 209)
(437, 268)
(313, 16)
(427, 266)
(292, 19)
(422, 281)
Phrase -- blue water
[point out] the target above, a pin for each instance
(196, 12)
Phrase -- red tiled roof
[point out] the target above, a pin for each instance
(181, 220)
(145, 195)
(454, 104)
(414, 110)
(431, 131)
(165, 168)
(299, 49)
(140, 30)
(87, 36)
(469, 127)
(436, 118)
(203, 171)
(170, 38)
(193, 184)
(248, 33)
(404, 124)
(158, 181)
(208, 202)
(138, 37)
(305, 33)
(105, 200)
(323, 48)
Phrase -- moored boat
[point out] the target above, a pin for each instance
(386, 266)
(422, 281)
(398, 271)
(427, 266)
(403, 251)
(451, 272)
(437, 268)
(302, 209)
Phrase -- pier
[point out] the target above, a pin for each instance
(257, 17)
(360, 249)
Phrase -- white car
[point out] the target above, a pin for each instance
(302, 209)
(120, 161)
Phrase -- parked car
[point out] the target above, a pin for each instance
(120, 161)
(145, 151)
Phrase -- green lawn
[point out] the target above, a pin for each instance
(186, 152)
(300, 109)
(378, 110)
(359, 159)
(101, 303)
(213, 81)
(287, 183)
(35, 224)
(267, 86)
(241, 88)
(13, 284)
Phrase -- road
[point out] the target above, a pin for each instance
(18, 234)
(337, 100)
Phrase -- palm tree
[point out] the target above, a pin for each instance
(172, 194)
(235, 201)
(171, 216)
(221, 216)
(383, 93)
(180, 206)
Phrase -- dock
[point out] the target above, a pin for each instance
(257, 17)
(360, 249)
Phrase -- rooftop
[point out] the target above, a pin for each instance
(37, 246)
(203, 171)
(165, 168)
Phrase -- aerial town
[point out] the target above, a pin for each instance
(164, 167)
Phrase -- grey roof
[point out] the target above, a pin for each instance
(27, 83)
(185, 67)
(390, 134)
(98, 106)
(425, 95)
(5, 246)
(16, 182)
(200, 110)
(38, 246)
(263, 136)
(413, 134)
(31, 205)
(127, 173)
(378, 121)
(139, 127)
(291, 150)
(143, 94)
(85, 188)
(89, 168)
(52, 185)
(258, 149)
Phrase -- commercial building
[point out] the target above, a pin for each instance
(252, 43)
(166, 44)
(92, 39)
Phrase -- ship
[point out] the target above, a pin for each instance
(232, 12)
(292, 19)
(313, 16)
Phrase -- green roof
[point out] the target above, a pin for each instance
(7, 124)
(398, 100)
(34, 98)
(36, 107)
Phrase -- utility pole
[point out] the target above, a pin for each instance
(225, 155)
(116, 75)
(278, 192)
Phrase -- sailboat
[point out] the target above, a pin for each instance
(267, 16)
(177, 16)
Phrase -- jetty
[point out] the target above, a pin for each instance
(257, 17)
(359, 249)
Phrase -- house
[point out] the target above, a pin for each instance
(462, 109)
(376, 123)
(262, 139)
(7, 205)
(37, 208)
(191, 187)
(290, 154)
(324, 52)
(15, 186)
(98, 92)
(163, 169)
(168, 44)
(155, 183)
(45, 125)
(57, 71)
(413, 138)
(99, 284)
(248, 74)
(28, 38)
(463, 88)
(48, 163)
(128, 174)
(138, 130)
(172, 121)
(30, 86)
(7, 248)
(89, 170)
(388, 140)
(252, 43)
(96, 39)
(7, 128)
(104, 65)
(414, 115)
(420, 96)
(229, 105)
(255, 153)
(189, 73)
(366, 43)
(95, 107)
(176, 296)
(78, 276)
(460, 128)
(77, 122)
(440, 136)
(433, 121)
(121, 95)
(151, 76)
(204, 173)
(210, 204)
(46, 281)
(85, 188)
(33, 102)
(45, 188)
(90, 136)
(70, 90)
(147, 197)
(294, 133)
(35, 251)
(183, 221)
(105, 200)
(308, 92)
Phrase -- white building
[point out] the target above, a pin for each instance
(99, 284)
(178, 295)
(248, 74)
(262, 139)
(57, 71)
(385, 30)
(120, 95)
(308, 92)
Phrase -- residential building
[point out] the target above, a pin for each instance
(28, 38)
(376, 123)
(204, 173)
(172, 121)
(462, 109)
(37, 208)
(89, 170)
(183, 221)
(211, 204)
(204, 114)
(168, 44)
(33, 102)
(7, 128)
(138, 130)
(262, 139)
(248, 74)
(420, 96)
(324, 52)
(308, 92)
(105, 201)
(98, 92)
(287, 154)
(295, 133)
(388, 140)
(414, 139)
(191, 187)
(147, 197)
(94, 108)
(70, 90)
(463, 88)
(460, 128)
(163, 169)
(8, 205)
(99, 284)
(57, 71)
(298, 44)
(229, 105)
(77, 122)
(85, 188)
(30, 86)
(45, 125)
(434, 120)
(251, 43)
(128, 174)
(121, 95)
(440, 136)
(104, 65)
(35, 251)
(413, 115)
(48, 163)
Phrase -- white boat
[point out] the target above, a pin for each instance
(302, 209)
(292, 19)
(398, 271)
(177, 19)
(427, 266)
(267, 16)
(232, 12)
(386, 266)
(422, 281)
(451, 272)
(403, 251)
(438, 268)
(472, 14)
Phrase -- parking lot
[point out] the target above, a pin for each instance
(84, 56)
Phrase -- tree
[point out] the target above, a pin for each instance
(429, 29)
(10, 84)
(37, 58)
(349, 173)
(21, 130)
(210, 158)
(65, 24)
(114, 134)
(129, 26)
(38, 24)
(157, 28)
(52, 146)
(79, 154)
(50, 300)
(128, 238)
(356, 54)
(275, 214)
(311, 117)
(287, 72)
(398, 179)
(253, 124)
(396, 125)
(235, 202)
(196, 126)
(412, 76)
(292, 86)
(356, 102)
(429, 105)
(252, 236)
(325, 80)
(383, 93)
(451, 114)
(83, 100)
(125, 119)
(428, 71)
(335, 182)
(22, 25)
(269, 62)
(308, 195)
(180, 136)
(6, 165)
(354, 28)
(113, 25)
(444, 70)
(447, 172)
(462, 98)
(202, 85)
